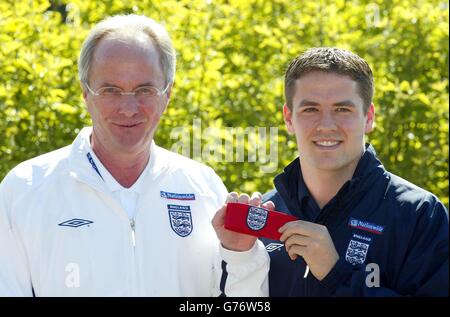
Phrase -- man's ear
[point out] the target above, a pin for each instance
(84, 91)
(168, 94)
(370, 119)
(287, 116)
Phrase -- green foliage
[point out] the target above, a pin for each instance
(40, 100)
(231, 61)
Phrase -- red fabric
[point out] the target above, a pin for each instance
(236, 220)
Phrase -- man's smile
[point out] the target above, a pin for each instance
(327, 144)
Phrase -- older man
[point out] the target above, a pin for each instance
(113, 214)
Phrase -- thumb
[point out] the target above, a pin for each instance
(219, 218)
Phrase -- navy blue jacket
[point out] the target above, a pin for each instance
(376, 217)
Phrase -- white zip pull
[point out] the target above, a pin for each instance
(306, 272)
(132, 232)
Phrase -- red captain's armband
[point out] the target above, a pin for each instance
(256, 221)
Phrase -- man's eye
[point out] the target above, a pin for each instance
(108, 91)
(146, 91)
(342, 109)
(311, 109)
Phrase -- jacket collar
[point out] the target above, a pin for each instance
(82, 169)
(290, 183)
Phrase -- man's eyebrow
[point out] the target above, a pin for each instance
(106, 84)
(149, 83)
(306, 102)
(345, 103)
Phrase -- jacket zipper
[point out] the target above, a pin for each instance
(133, 239)
(305, 277)
(134, 279)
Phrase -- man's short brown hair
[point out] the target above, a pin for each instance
(330, 60)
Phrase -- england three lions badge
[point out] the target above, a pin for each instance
(356, 252)
(180, 219)
(256, 218)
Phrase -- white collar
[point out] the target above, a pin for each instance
(160, 163)
(110, 182)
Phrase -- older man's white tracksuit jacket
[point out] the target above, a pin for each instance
(63, 234)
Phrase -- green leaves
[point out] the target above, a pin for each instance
(232, 56)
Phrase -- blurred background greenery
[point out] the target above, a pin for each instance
(232, 55)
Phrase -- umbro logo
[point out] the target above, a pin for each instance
(75, 223)
(273, 246)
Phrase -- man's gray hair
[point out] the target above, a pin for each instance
(129, 24)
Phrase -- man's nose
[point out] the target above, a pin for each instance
(128, 105)
(326, 122)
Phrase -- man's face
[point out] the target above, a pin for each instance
(328, 121)
(124, 123)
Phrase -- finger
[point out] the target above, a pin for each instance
(243, 198)
(289, 228)
(232, 197)
(255, 200)
(297, 227)
(296, 251)
(297, 240)
(304, 228)
(293, 256)
(287, 225)
(291, 231)
(269, 205)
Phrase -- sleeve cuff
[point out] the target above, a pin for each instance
(243, 257)
(340, 272)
